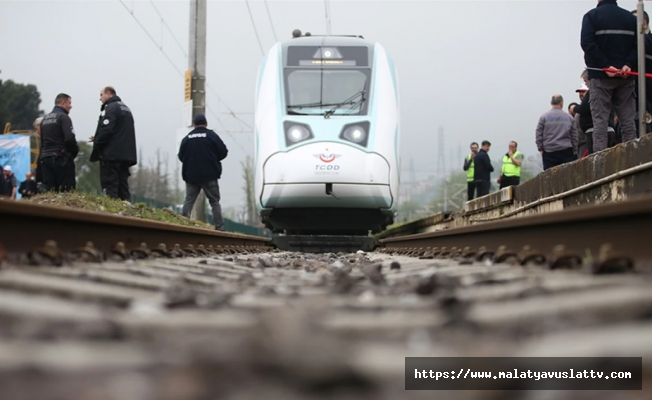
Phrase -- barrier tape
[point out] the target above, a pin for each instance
(619, 71)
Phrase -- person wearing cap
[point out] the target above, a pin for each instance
(583, 110)
(114, 145)
(201, 153)
(582, 148)
(9, 182)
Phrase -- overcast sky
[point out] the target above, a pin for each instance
(481, 69)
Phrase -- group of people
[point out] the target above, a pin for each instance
(478, 169)
(114, 147)
(9, 184)
(608, 110)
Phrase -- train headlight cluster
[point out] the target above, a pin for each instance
(295, 133)
(356, 133)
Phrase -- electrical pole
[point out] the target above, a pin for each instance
(197, 67)
(641, 69)
(441, 162)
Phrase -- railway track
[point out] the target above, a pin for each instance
(603, 237)
(46, 232)
(242, 320)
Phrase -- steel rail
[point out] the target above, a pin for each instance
(25, 226)
(583, 230)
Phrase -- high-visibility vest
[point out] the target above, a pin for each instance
(471, 170)
(509, 168)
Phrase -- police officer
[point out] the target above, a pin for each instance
(470, 170)
(510, 174)
(59, 147)
(114, 145)
(201, 153)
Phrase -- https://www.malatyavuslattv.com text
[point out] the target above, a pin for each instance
(515, 374)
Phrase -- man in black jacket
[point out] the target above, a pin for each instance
(114, 145)
(483, 170)
(201, 153)
(28, 187)
(609, 41)
(59, 147)
(586, 123)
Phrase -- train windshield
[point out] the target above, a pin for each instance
(313, 92)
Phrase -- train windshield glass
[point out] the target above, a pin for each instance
(310, 92)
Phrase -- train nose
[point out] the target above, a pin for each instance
(319, 176)
(330, 163)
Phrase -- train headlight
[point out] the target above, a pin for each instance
(356, 133)
(296, 132)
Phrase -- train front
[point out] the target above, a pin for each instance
(327, 152)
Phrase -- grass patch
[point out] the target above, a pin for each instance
(103, 204)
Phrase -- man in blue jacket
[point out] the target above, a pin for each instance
(201, 153)
(609, 41)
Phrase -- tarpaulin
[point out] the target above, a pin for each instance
(15, 151)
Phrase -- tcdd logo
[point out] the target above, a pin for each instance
(327, 167)
(327, 156)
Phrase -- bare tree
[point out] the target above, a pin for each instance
(250, 198)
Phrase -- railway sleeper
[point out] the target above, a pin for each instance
(51, 255)
(608, 261)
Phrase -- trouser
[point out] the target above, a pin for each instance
(482, 188)
(611, 139)
(470, 190)
(39, 173)
(58, 173)
(212, 191)
(509, 181)
(114, 179)
(555, 158)
(618, 92)
(583, 148)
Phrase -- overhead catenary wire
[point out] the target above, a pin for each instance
(130, 11)
(151, 37)
(327, 9)
(219, 121)
(255, 30)
(231, 112)
(270, 22)
(185, 53)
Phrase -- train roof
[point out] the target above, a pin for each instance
(328, 40)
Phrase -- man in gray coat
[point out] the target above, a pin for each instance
(556, 135)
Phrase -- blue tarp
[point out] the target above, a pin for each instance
(15, 152)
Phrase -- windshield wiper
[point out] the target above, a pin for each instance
(310, 105)
(330, 112)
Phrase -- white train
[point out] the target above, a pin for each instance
(327, 135)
